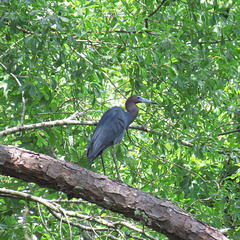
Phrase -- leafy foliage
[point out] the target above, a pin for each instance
(59, 57)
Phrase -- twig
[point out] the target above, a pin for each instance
(81, 55)
(14, 44)
(43, 222)
(152, 13)
(233, 131)
(109, 79)
(23, 98)
(25, 213)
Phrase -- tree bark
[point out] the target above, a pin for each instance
(158, 214)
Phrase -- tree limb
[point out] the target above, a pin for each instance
(61, 122)
(70, 121)
(158, 214)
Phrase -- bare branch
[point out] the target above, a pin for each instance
(69, 121)
(62, 122)
(63, 214)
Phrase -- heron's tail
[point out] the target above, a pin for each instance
(93, 152)
(90, 159)
(90, 155)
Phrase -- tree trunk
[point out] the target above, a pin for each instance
(158, 214)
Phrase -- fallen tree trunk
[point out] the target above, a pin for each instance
(158, 214)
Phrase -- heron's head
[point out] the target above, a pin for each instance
(138, 99)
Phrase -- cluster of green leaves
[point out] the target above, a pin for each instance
(67, 56)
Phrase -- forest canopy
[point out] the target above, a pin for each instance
(58, 58)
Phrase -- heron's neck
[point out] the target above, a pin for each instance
(132, 111)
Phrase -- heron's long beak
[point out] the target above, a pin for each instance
(144, 100)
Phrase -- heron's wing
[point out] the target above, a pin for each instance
(110, 130)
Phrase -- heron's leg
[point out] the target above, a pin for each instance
(103, 163)
(114, 158)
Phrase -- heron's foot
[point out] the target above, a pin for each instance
(119, 179)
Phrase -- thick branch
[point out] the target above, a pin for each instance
(158, 214)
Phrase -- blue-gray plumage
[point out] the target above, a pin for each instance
(111, 128)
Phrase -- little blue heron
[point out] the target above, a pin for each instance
(111, 129)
